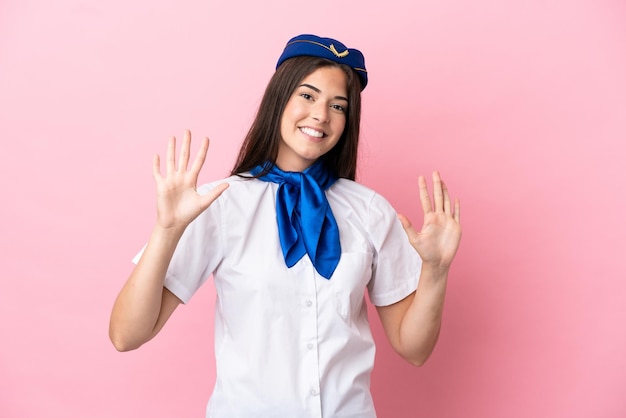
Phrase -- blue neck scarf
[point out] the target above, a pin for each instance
(305, 220)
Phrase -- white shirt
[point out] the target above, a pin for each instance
(288, 342)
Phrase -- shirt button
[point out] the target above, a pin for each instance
(309, 346)
(314, 392)
(309, 303)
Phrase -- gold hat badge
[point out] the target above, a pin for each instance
(337, 53)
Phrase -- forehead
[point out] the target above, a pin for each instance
(331, 80)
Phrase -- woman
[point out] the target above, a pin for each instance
(293, 242)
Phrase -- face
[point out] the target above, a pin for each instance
(313, 120)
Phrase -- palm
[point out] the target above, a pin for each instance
(438, 240)
(178, 202)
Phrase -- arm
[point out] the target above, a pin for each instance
(412, 325)
(143, 305)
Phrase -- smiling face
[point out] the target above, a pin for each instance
(313, 120)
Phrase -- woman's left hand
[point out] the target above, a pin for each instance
(439, 238)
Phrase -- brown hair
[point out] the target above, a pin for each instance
(261, 143)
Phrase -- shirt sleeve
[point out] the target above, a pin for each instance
(198, 252)
(396, 265)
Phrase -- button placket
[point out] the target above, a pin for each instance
(309, 338)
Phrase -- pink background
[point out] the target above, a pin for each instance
(520, 104)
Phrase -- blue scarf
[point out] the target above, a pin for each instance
(305, 220)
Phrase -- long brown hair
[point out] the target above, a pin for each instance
(263, 138)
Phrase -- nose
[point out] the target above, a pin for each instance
(320, 112)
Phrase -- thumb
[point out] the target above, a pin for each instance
(408, 227)
(208, 198)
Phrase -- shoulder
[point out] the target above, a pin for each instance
(243, 194)
(349, 189)
(235, 184)
(349, 198)
(357, 193)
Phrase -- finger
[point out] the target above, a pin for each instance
(408, 228)
(200, 157)
(437, 192)
(424, 197)
(156, 168)
(183, 158)
(447, 206)
(170, 164)
(210, 197)
(457, 210)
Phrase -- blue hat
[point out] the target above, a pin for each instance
(314, 46)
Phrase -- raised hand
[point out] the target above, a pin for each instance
(439, 238)
(178, 202)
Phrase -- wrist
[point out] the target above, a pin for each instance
(435, 271)
(172, 233)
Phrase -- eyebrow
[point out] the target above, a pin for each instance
(315, 89)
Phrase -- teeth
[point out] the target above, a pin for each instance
(312, 132)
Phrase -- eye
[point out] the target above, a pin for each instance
(306, 96)
(338, 108)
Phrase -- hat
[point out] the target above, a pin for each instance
(331, 49)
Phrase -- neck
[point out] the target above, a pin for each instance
(295, 168)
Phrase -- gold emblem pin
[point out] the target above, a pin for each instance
(338, 54)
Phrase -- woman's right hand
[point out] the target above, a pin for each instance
(178, 202)
(144, 305)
